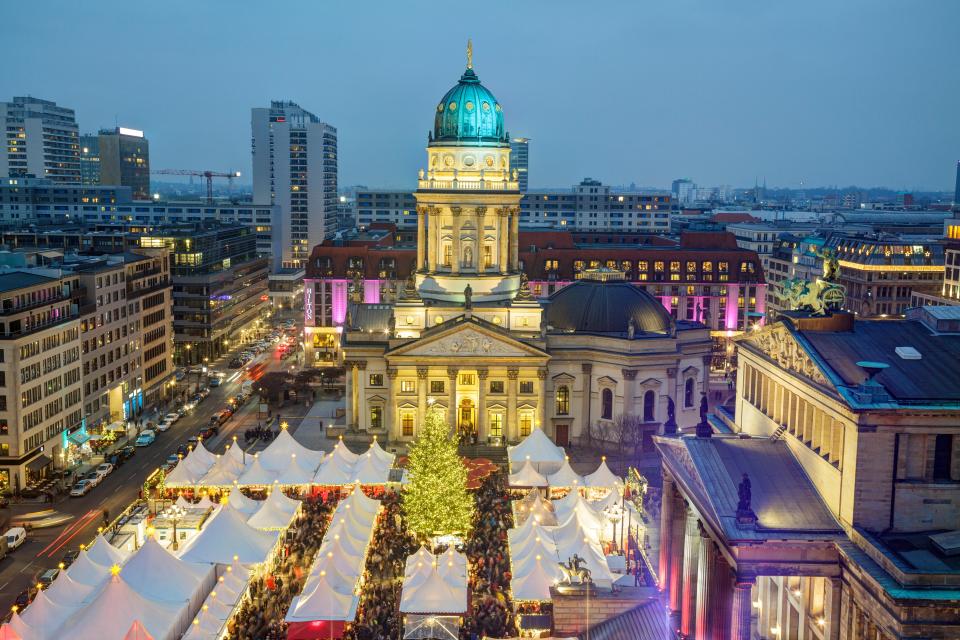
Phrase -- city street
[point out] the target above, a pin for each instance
(44, 548)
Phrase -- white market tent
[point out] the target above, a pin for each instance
(536, 578)
(324, 601)
(7, 633)
(203, 455)
(136, 632)
(86, 571)
(539, 450)
(341, 452)
(603, 477)
(295, 473)
(102, 552)
(243, 504)
(595, 523)
(191, 469)
(224, 472)
(435, 595)
(45, 616)
(205, 626)
(19, 627)
(236, 452)
(565, 476)
(155, 573)
(333, 471)
(526, 476)
(205, 503)
(277, 454)
(64, 590)
(257, 475)
(378, 452)
(117, 607)
(182, 502)
(227, 535)
(369, 469)
(275, 512)
(534, 506)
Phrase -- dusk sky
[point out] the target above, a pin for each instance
(825, 92)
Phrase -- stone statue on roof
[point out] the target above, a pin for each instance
(745, 514)
(468, 297)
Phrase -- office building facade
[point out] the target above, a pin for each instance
(520, 161)
(41, 140)
(117, 157)
(295, 167)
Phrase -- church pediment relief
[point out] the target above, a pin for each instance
(780, 346)
(651, 383)
(563, 377)
(407, 405)
(606, 380)
(689, 371)
(467, 341)
(376, 398)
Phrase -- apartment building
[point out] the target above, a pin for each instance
(118, 156)
(40, 139)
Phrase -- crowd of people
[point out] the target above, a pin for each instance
(489, 562)
(378, 616)
(261, 616)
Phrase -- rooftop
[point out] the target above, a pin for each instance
(20, 279)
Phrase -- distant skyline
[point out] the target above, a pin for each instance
(819, 93)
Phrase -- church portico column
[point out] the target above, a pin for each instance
(667, 503)
(452, 391)
(481, 233)
(541, 398)
(705, 575)
(629, 383)
(434, 238)
(502, 240)
(421, 236)
(511, 430)
(362, 420)
(456, 251)
(678, 538)
(422, 373)
(393, 429)
(515, 239)
(691, 550)
(831, 609)
(482, 430)
(353, 383)
(742, 607)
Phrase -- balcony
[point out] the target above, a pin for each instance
(133, 293)
(468, 185)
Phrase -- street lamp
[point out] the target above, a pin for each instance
(175, 514)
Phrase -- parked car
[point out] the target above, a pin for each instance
(47, 577)
(69, 557)
(145, 439)
(164, 426)
(15, 536)
(127, 452)
(192, 442)
(93, 477)
(173, 459)
(82, 488)
(105, 469)
(24, 598)
(182, 450)
(215, 382)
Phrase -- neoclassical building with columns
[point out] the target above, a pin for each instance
(848, 432)
(466, 334)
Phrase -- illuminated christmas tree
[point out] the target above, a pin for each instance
(436, 500)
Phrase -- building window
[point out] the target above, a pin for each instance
(526, 424)
(436, 386)
(376, 379)
(563, 400)
(447, 255)
(526, 386)
(942, 457)
(406, 424)
(496, 386)
(606, 404)
(467, 379)
(376, 417)
(487, 256)
(649, 402)
(496, 425)
(688, 393)
(407, 386)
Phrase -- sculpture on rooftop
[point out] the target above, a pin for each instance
(468, 297)
(575, 571)
(745, 514)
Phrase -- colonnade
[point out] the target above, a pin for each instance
(430, 229)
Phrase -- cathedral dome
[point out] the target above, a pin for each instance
(469, 114)
(593, 306)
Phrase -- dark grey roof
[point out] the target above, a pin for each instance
(783, 497)
(590, 306)
(649, 621)
(935, 377)
(373, 318)
(20, 279)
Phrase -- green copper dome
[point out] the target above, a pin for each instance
(469, 114)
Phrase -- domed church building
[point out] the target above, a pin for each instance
(465, 334)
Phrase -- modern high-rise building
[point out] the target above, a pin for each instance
(295, 167)
(520, 160)
(117, 157)
(956, 189)
(684, 191)
(40, 140)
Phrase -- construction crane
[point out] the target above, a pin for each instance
(209, 175)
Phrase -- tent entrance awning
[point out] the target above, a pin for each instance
(38, 463)
(78, 437)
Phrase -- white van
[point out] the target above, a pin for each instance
(247, 388)
(15, 537)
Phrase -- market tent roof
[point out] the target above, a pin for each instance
(593, 558)
(539, 449)
(565, 476)
(452, 562)
(182, 502)
(369, 469)
(323, 602)
(223, 472)
(156, 573)
(257, 474)
(21, 628)
(204, 626)
(570, 533)
(243, 504)
(296, 471)
(359, 500)
(527, 476)
(341, 452)
(592, 521)
(102, 552)
(333, 471)
(542, 546)
(236, 452)
(277, 454)
(419, 556)
(188, 471)
(611, 499)
(137, 632)
(603, 477)
(537, 578)
(45, 616)
(86, 571)
(379, 453)
(538, 509)
(226, 535)
(275, 512)
(67, 591)
(203, 455)
(116, 608)
(7, 633)
(205, 503)
(434, 595)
